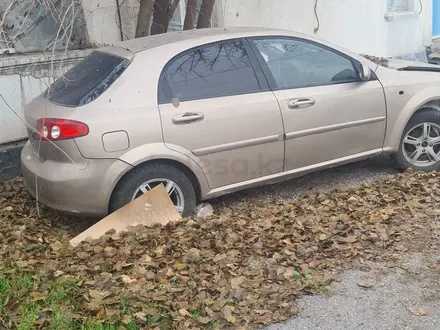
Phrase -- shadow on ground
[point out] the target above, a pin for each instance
(341, 177)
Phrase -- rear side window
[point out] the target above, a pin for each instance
(86, 80)
(210, 71)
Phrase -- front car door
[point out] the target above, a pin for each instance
(329, 114)
(217, 108)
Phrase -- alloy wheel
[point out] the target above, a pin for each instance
(421, 145)
(171, 187)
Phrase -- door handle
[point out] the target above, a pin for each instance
(187, 117)
(300, 103)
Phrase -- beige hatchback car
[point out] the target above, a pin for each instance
(208, 112)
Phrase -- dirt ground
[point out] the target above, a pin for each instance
(378, 295)
(254, 263)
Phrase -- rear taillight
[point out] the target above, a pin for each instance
(53, 129)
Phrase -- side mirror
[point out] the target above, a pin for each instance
(365, 73)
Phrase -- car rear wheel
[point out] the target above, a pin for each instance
(420, 144)
(146, 177)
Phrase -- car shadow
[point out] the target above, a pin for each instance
(342, 177)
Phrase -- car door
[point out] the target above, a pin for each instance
(219, 110)
(329, 113)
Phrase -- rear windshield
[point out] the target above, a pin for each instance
(86, 80)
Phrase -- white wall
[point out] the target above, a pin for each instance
(17, 91)
(358, 25)
(104, 27)
(23, 77)
(102, 21)
(409, 32)
(363, 26)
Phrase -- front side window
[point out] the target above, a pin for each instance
(211, 71)
(294, 63)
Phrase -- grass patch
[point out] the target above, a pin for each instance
(36, 248)
(97, 325)
(3, 289)
(322, 289)
(59, 297)
(20, 283)
(195, 313)
(63, 290)
(29, 315)
(212, 325)
(14, 287)
(93, 325)
(59, 320)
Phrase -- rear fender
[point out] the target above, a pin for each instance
(159, 151)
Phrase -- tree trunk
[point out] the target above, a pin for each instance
(191, 9)
(163, 12)
(144, 18)
(205, 14)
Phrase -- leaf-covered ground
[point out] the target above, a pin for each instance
(241, 268)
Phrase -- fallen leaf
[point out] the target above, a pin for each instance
(56, 246)
(417, 311)
(219, 257)
(22, 263)
(237, 281)
(366, 283)
(100, 314)
(127, 280)
(348, 239)
(352, 200)
(141, 316)
(179, 266)
(204, 320)
(58, 273)
(126, 319)
(184, 312)
(37, 296)
(98, 295)
(227, 314)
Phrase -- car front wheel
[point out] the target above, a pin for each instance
(420, 144)
(146, 177)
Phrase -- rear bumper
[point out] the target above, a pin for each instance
(82, 189)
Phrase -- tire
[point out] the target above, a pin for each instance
(130, 183)
(425, 116)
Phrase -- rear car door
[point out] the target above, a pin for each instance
(216, 107)
(329, 113)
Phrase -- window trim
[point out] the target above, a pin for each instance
(163, 83)
(270, 78)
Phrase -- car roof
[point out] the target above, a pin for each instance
(148, 42)
(192, 38)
